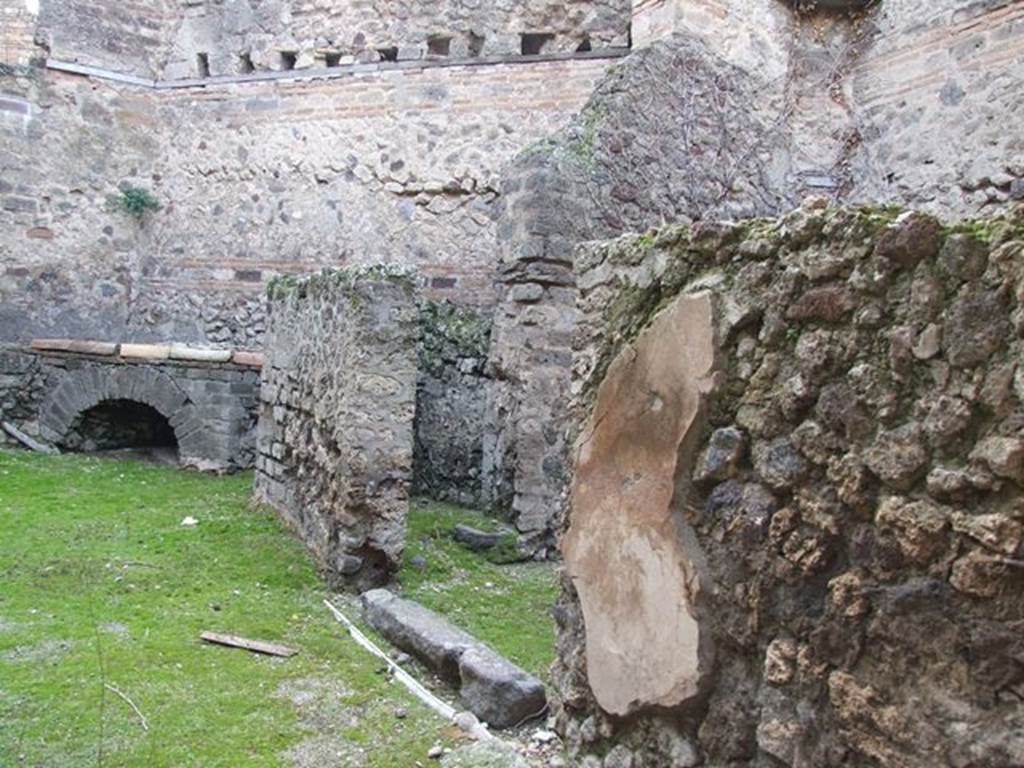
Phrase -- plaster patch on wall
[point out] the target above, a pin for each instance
(634, 562)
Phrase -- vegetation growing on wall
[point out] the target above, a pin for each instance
(283, 286)
(451, 331)
(135, 202)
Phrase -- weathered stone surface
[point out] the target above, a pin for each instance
(417, 630)
(873, 725)
(948, 417)
(829, 304)
(975, 328)
(497, 691)
(978, 574)
(183, 352)
(920, 527)
(719, 459)
(1004, 456)
(909, 239)
(644, 640)
(997, 532)
(491, 687)
(780, 661)
(963, 256)
(481, 540)
(145, 351)
(746, 506)
(898, 457)
(877, 592)
(338, 398)
(778, 463)
(943, 482)
(929, 342)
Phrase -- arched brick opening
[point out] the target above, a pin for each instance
(126, 426)
(83, 390)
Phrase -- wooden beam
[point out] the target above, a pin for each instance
(256, 646)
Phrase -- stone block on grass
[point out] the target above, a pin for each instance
(491, 687)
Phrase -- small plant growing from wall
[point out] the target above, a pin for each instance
(135, 201)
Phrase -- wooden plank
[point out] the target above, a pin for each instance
(256, 646)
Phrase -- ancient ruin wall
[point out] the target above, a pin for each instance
(451, 402)
(335, 435)
(180, 39)
(736, 108)
(819, 476)
(238, 37)
(862, 77)
(254, 180)
(211, 405)
(673, 131)
(17, 29)
(128, 36)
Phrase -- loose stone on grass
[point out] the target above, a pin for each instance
(493, 688)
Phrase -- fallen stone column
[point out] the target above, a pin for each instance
(492, 688)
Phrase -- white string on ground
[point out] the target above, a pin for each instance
(415, 687)
(130, 703)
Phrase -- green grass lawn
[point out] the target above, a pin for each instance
(100, 585)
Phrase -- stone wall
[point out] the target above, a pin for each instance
(285, 178)
(17, 29)
(211, 406)
(861, 78)
(621, 165)
(735, 109)
(451, 401)
(336, 419)
(69, 266)
(22, 388)
(396, 166)
(181, 39)
(811, 431)
(955, 67)
(240, 36)
(129, 36)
